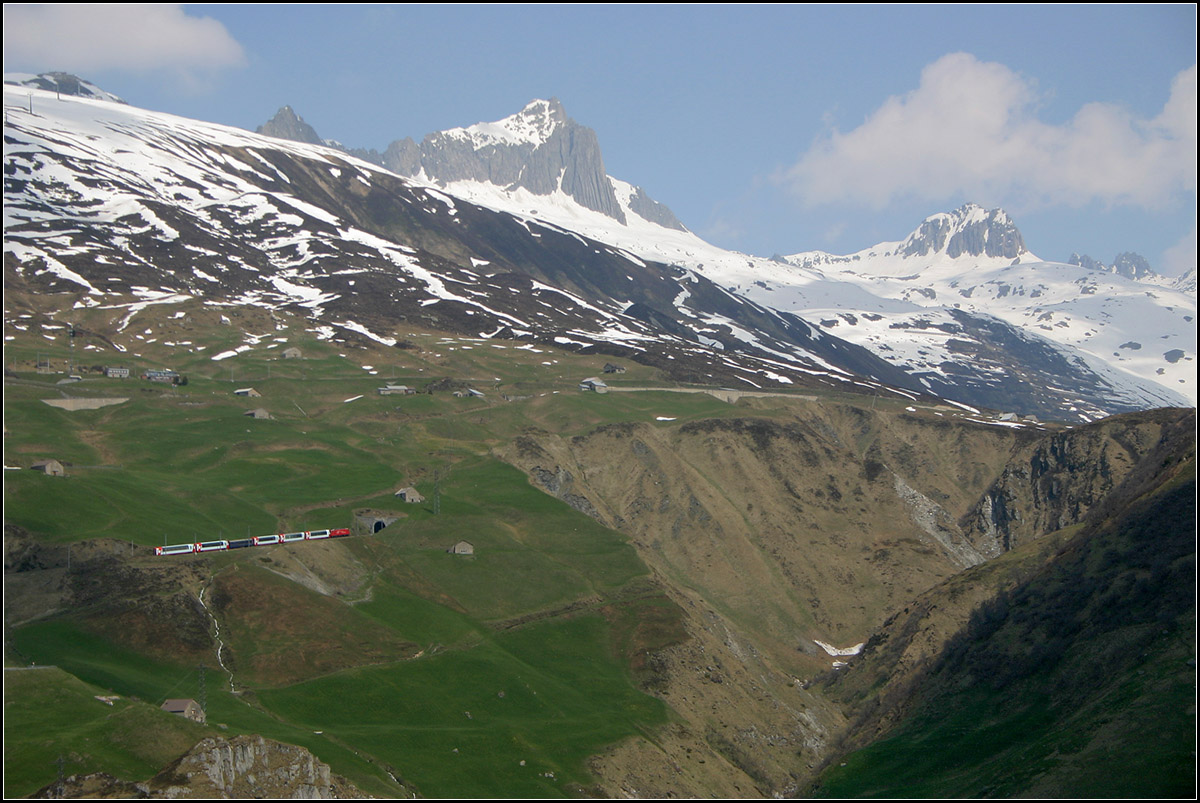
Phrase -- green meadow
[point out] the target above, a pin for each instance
(495, 674)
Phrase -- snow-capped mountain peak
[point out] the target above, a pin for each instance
(970, 236)
(537, 162)
(533, 125)
(969, 231)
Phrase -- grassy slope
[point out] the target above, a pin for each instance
(551, 610)
(183, 463)
(53, 714)
(1079, 682)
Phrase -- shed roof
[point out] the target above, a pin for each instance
(178, 705)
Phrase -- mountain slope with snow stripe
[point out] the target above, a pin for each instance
(266, 219)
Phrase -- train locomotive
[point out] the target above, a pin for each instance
(258, 540)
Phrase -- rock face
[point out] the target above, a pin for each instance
(64, 83)
(250, 766)
(1132, 266)
(1127, 264)
(539, 149)
(650, 209)
(969, 230)
(243, 767)
(286, 124)
(1058, 481)
(1085, 261)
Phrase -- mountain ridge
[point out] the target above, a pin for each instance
(997, 354)
(539, 149)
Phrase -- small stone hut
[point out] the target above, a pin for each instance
(258, 412)
(292, 353)
(248, 392)
(50, 467)
(409, 494)
(595, 384)
(187, 708)
(462, 548)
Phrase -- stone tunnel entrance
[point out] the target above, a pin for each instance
(372, 521)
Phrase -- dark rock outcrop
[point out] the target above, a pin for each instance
(286, 124)
(64, 83)
(1127, 264)
(1059, 481)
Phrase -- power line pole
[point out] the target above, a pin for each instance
(203, 690)
(437, 493)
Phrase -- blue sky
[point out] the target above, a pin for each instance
(767, 129)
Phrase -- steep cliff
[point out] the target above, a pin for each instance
(1055, 483)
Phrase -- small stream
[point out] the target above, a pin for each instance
(220, 644)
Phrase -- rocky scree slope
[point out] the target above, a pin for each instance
(781, 540)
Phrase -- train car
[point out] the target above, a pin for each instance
(212, 546)
(258, 540)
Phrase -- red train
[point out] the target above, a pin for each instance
(258, 540)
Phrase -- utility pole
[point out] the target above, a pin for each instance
(203, 690)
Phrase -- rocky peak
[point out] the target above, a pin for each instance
(533, 125)
(1085, 261)
(64, 83)
(969, 230)
(538, 149)
(286, 124)
(1186, 282)
(1132, 266)
(1127, 264)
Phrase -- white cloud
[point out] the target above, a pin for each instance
(970, 130)
(1181, 257)
(86, 38)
